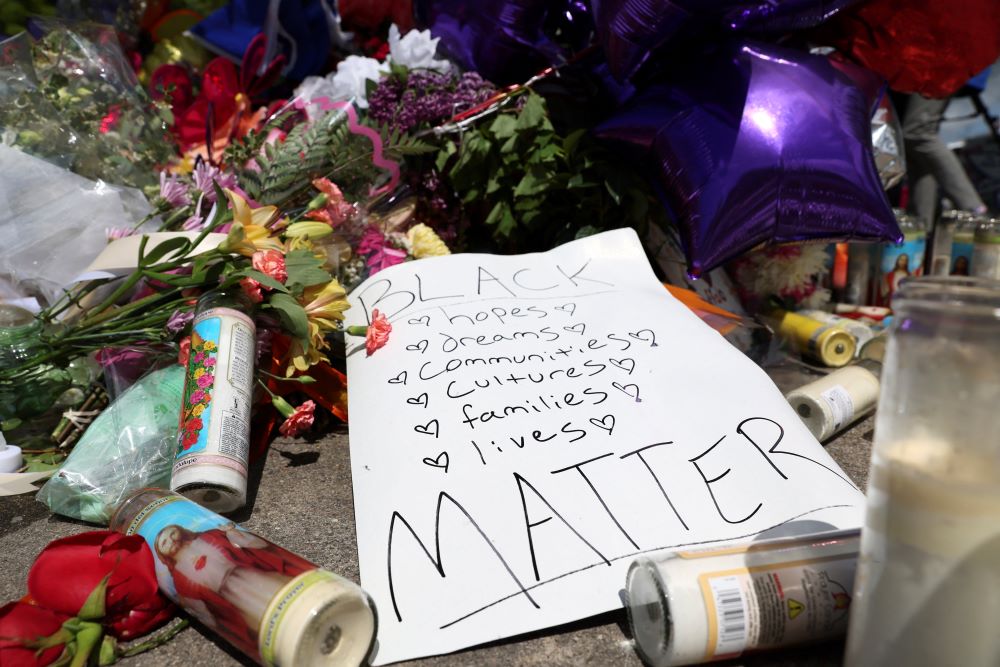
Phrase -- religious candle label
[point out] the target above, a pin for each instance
(537, 421)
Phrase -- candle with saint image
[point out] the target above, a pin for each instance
(271, 604)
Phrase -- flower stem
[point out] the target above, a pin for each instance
(158, 640)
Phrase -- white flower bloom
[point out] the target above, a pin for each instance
(416, 50)
(347, 83)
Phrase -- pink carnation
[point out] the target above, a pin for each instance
(378, 332)
(251, 288)
(300, 421)
(271, 263)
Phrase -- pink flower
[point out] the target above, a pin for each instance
(199, 357)
(206, 380)
(205, 174)
(271, 263)
(378, 332)
(193, 224)
(251, 288)
(173, 192)
(380, 255)
(336, 210)
(300, 421)
(115, 233)
(197, 396)
(210, 362)
(384, 258)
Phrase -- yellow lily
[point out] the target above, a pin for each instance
(324, 306)
(254, 221)
(308, 229)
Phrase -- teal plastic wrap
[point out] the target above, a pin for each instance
(130, 446)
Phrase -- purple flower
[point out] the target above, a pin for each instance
(179, 320)
(193, 224)
(173, 191)
(115, 233)
(425, 98)
(205, 174)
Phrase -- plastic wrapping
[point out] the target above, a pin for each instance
(129, 446)
(72, 98)
(53, 222)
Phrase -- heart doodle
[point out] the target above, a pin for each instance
(422, 346)
(423, 319)
(579, 328)
(630, 390)
(651, 340)
(422, 399)
(436, 462)
(426, 428)
(567, 308)
(399, 379)
(627, 364)
(602, 423)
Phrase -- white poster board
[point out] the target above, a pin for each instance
(537, 421)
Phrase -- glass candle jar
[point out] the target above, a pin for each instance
(929, 572)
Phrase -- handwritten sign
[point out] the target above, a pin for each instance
(535, 423)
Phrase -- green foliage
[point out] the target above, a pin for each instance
(325, 147)
(535, 187)
(292, 315)
(304, 270)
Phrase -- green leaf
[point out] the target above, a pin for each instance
(93, 606)
(613, 192)
(447, 151)
(304, 270)
(262, 278)
(572, 140)
(293, 316)
(42, 462)
(532, 113)
(179, 246)
(533, 182)
(503, 126)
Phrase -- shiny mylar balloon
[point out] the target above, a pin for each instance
(759, 144)
(632, 31)
(507, 41)
(931, 47)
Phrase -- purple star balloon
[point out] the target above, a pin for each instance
(759, 144)
(633, 31)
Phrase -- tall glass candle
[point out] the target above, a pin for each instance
(929, 572)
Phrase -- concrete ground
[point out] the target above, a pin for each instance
(304, 503)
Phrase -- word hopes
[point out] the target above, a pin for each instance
(537, 421)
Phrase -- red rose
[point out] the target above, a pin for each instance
(68, 570)
(21, 623)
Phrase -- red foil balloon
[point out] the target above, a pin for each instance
(759, 144)
(931, 47)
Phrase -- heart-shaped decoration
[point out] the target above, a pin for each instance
(630, 390)
(579, 328)
(647, 336)
(423, 319)
(441, 461)
(421, 347)
(567, 308)
(399, 379)
(627, 364)
(427, 429)
(607, 422)
(422, 399)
